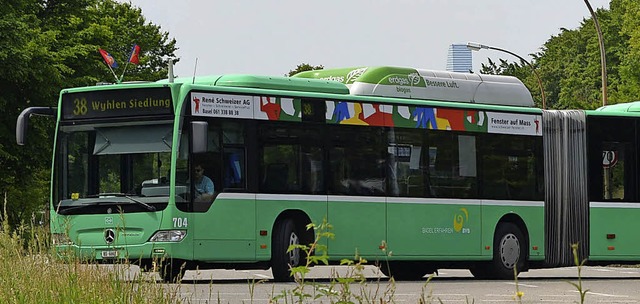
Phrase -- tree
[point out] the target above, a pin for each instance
(304, 67)
(569, 62)
(47, 45)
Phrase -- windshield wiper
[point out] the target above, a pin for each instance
(143, 204)
(68, 210)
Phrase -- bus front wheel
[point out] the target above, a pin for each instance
(172, 271)
(285, 234)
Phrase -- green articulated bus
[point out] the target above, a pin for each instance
(415, 170)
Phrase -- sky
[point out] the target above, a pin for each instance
(271, 37)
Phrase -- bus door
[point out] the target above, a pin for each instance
(357, 189)
(223, 223)
(613, 184)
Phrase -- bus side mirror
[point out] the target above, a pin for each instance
(23, 120)
(199, 136)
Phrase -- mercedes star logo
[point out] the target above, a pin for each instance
(109, 236)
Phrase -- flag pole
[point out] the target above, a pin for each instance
(133, 58)
(114, 74)
(125, 70)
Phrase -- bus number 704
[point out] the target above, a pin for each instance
(179, 222)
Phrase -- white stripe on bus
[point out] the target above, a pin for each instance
(630, 205)
(382, 199)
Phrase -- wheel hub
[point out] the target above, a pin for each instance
(294, 255)
(509, 250)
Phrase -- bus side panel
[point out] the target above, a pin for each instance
(435, 228)
(226, 231)
(531, 213)
(359, 226)
(270, 206)
(614, 231)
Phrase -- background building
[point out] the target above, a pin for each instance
(459, 58)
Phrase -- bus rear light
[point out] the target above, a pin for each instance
(263, 232)
(611, 248)
(535, 247)
(263, 246)
(168, 236)
(611, 236)
(59, 239)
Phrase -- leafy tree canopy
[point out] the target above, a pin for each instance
(569, 62)
(304, 67)
(47, 45)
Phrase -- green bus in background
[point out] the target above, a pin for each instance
(415, 169)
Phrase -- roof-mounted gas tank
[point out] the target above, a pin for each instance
(428, 84)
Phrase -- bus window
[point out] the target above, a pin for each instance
(511, 169)
(358, 161)
(290, 161)
(312, 170)
(454, 165)
(279, 162)
(234, 173)
(613, 171)
(409, 165)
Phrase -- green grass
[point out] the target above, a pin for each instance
(29, 273)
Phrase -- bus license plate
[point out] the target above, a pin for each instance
(109, 254)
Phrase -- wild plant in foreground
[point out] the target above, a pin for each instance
(579, 264)
(31, 272)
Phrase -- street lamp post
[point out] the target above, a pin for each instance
(477, 46)
(603, 59)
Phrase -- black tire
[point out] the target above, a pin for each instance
(481, 271)
(509, 252)
(172, 271)
(405, 271)
(285, 234)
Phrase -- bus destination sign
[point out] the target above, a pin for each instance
(117, 103)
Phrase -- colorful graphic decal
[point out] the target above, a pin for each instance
(277, 108)
(367, 114)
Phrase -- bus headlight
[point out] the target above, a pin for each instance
(168, 236)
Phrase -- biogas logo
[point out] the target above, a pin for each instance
(411, 79)
(459, 219)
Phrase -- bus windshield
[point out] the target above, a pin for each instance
(113, 164)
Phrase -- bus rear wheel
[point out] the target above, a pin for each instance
(285, 234)
(406, 271)
(509, 253)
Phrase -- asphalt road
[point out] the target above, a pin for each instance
(602, 285)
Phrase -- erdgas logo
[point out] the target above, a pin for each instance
(412, 79)
(353, 75)
(459, 219)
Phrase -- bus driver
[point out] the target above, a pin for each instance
(203, 186)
